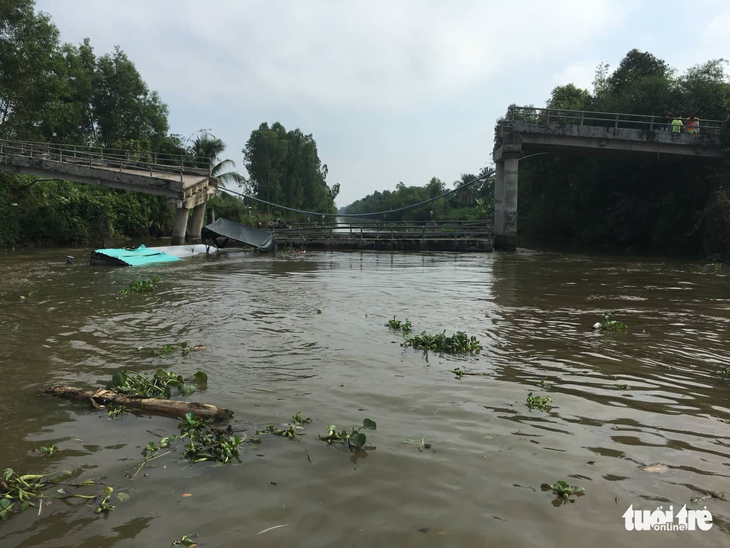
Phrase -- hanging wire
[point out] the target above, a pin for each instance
(484, 177)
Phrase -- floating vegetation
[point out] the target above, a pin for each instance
(115, 411)
(624, 387)
(19, 492)
(607, 324)
(297, 419)
(544, 384)
(421, 445)
(458, 343)
(151, 448)
(186, 540)
(184, 348)
(105, 505)
(288, 432)
(30, 294)
(140, 286)
(563, 491)
(537, 402)
(724, 373)
(160, 385)
(48, 450)
(397, 325)
(459, 372)
(355, 440)
(208, 443)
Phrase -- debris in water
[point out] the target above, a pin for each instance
(272, 528)
(656, 468)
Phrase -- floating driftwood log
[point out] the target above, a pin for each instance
(170, 408)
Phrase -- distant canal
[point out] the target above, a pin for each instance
(619, 402)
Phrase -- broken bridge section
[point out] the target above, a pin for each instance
(185, 180)
(528, 130)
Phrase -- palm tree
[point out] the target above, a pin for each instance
(466, 196)
(209, 146)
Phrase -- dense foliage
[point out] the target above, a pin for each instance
(664, 203)
(52, 212)
(473, 202)
(284, 168)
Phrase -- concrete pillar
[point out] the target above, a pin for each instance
(498, 225)
(179, 227)
(196, 222)
(505, 234)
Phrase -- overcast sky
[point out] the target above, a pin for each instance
(396, 90)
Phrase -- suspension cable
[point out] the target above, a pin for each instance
(487, 175)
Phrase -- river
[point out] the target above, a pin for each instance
(620, 401)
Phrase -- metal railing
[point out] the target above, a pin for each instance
(107, 157)
(546, 116)
(377, 230)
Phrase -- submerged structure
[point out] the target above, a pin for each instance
(142, 256)
(222, 232)
(216, 235)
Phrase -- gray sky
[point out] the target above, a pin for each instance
(391, 90)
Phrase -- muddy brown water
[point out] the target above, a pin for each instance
(619, 401)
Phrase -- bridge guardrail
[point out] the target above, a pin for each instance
(107, 157)
(602, 119)
(396, 230)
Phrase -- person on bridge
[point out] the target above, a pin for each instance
(677, 125)
(693, 124)
(667, 120)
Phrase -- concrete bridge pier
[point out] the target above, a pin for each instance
(188, 227)
(196, 223)
(505, 197)
(180, 226)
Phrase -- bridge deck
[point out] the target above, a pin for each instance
(184, 179)
(529, 129)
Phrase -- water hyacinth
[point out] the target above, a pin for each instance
(458, 343)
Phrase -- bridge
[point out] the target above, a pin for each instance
(185, 180)
(388, 235)
(528, 130)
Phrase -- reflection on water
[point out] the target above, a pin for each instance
(619, 401)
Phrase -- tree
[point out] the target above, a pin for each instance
(569, 97)
(704, 89)
(208, 146)
(465, 197)
(123, 106)
(68, 115)
(284, 168)
(28, 44)
(642, 84)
